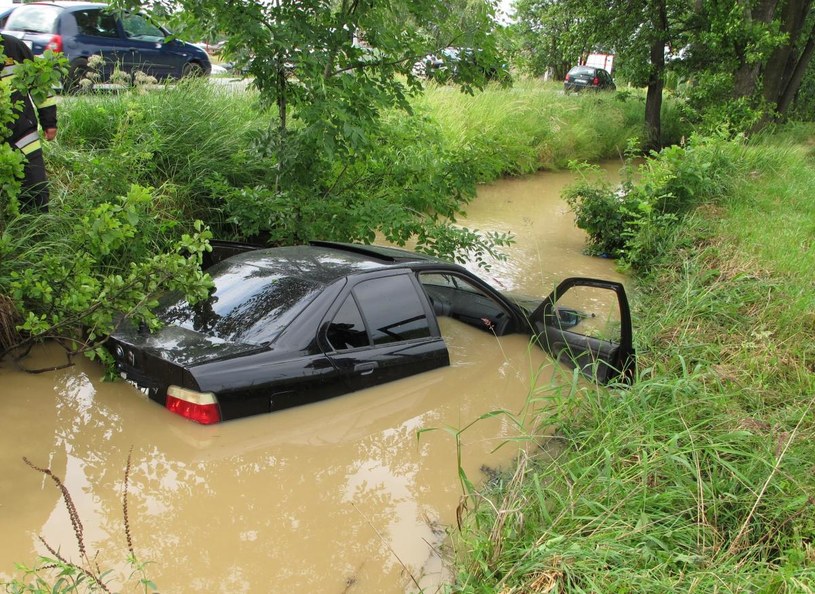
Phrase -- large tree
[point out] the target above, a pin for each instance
(335, 64)
(548, 37)
(637, 31)
(767, 45)
(328, 70)
(751, 53)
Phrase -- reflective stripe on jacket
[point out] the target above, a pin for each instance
(24, 128)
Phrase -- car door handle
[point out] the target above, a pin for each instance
(365, 368)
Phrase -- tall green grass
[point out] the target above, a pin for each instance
(700, 477)
(212, 153)
(534, 125)
(179, 138)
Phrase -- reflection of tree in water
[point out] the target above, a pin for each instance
(276, 494)
(248, 310)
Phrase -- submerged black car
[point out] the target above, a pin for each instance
(291, 325)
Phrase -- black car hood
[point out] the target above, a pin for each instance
(181, 346)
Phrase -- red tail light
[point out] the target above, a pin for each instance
(596, 81)
(201, 407)
(55, 44)
(568, 78)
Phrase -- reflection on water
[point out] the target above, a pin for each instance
(338, 496)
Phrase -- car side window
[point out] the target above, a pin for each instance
(138, 27)
(392, 309)
(347, 330)
(36, 18)
(454, 296)
(96, 23)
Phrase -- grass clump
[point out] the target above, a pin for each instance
(659, 489)
(700, 476)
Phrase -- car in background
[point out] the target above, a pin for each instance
(428, 66)
(581, 78)
(287, 326)
(4, 14)
(451, 62)
(127, 41)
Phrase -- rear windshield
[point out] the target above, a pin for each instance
(34, 18)
(249, 304)
(582, 70)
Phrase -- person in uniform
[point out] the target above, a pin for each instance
(24, 134)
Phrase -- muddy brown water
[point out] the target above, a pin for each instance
(346, 495)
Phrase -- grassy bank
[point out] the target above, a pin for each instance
(534, 125)
(700, 477)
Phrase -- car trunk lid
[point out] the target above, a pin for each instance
(181, 346)
(154, 362)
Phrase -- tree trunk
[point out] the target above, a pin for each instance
(781, 64)
(281, 84)
(656, 79)
(282, 90)
(791, 89)
(746, 77)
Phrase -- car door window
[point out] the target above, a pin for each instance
(347, 330)
(454, 296)
(392, 309)
(586, 324)
(96, 23)
(589, 311)
(138, 27)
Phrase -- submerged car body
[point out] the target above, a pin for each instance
(292, 325)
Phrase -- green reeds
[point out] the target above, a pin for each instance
(699, 477)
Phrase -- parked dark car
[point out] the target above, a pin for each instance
(125, 40)
(292, 325)
(582, 78)
(452, 62)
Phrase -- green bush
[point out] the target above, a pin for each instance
(71, 277)
(636, 222)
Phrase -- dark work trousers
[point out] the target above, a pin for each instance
(34, 191)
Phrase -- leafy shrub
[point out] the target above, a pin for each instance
(712, 107)
(635, 222)
(70, 278)
(606, 215)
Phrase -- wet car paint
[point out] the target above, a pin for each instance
(251, 363)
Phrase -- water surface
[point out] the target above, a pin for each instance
(346, 495)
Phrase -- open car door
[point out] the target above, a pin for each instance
(586, 323)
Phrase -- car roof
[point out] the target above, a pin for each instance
(323, 262)
(378, 252)
(68, 5)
